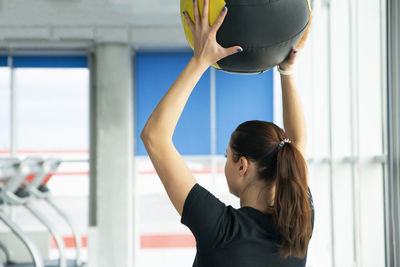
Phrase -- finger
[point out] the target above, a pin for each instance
(205, 11)
(196, 12)
(189, 20)
(219, 20)
(292, 56)
(232, 50)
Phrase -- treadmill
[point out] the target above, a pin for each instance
(37, 186)
(9, 168)
(16, 193)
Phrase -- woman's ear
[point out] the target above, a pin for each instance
(243, 166)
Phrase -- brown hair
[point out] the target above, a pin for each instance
(285, 169)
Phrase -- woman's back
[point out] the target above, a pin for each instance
(232, 237)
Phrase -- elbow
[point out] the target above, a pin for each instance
(150, 137)
(153, 142)
(145, 135)
(147, 139)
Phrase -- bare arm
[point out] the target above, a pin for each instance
(157, 133)
(174, 174)
(293, 115)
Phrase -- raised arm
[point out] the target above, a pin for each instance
(293, 114)
(157, 133)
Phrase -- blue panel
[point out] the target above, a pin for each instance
(3, 61)
(241, 98)
(50, 62)
(155, 73)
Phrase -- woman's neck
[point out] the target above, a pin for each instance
(258, 195)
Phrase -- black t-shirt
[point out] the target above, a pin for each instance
(229, 237)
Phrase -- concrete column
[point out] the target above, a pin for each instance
(112, 148)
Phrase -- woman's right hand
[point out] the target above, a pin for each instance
(289, 62)
(206, 48)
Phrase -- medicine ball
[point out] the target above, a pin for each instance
(266, 29)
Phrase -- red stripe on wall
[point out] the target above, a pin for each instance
(167, 241)
(146, 241)
(69, 242)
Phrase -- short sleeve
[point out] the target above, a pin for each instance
(203, 213)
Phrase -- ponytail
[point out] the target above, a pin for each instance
(279, 164)
(291, 205)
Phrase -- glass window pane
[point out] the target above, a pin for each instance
(53, 121)
(371, 80)
(320, 248)
(5, 112)
(168, 239)
(52, 109)
(241, 98)
(3, 61)
(155, 73)
(162, 236)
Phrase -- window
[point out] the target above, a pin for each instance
(52, 120)
(241, 98)
(343, 95)
(5, 107)
(201, 143)
(52, 107)
(155, 73)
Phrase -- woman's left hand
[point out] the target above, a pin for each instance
(206, 48)
(289, 62)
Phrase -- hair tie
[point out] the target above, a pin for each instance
(282, 143)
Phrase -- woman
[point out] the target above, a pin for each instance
(265, 168)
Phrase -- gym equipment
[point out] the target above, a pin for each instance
(12, 168)
(28, 179)
(37, 186)
(265, 29)
(4, 248)
(14, 193)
